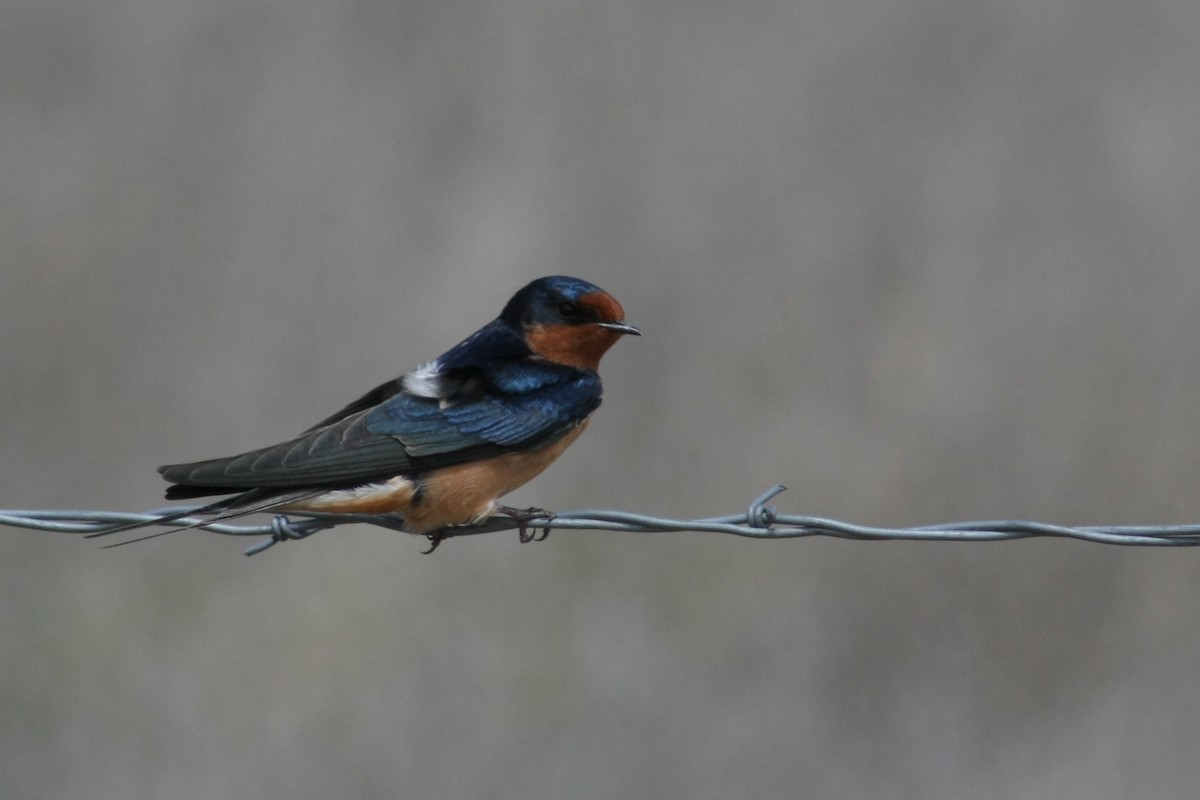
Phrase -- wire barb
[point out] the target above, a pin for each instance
(758, 521)
(759, 515)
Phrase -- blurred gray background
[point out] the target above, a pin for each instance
(919, 260)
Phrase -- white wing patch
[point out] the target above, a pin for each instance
(426, 380)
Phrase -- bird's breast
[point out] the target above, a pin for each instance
(454, 495)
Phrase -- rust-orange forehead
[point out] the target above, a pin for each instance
(604, 305)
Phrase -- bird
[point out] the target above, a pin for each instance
(440, 445)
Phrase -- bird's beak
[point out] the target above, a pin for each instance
(620, 327)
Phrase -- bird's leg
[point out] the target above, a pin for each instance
(522, 517)
(435, 538)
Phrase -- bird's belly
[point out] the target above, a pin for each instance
(455, 495)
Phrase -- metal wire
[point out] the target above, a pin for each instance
(758, 521)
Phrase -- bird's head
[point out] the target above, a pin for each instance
(567, 320)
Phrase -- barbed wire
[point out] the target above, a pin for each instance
(758, 521)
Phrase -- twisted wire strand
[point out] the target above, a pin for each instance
(758, 521)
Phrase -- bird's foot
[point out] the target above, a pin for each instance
(435, 539)
(522, 517)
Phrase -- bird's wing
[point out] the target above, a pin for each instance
(494, 343)
(520, 408)
(369, 400)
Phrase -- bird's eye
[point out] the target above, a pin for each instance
(569, 310)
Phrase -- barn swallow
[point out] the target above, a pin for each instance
(439, 445)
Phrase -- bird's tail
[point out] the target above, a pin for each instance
(240, 505)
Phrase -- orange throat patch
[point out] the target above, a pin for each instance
(573, 345)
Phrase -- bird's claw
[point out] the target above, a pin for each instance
(435, 539)
(522, 517)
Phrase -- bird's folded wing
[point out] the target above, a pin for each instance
(405, 434)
